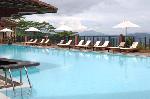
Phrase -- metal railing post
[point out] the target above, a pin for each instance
(5, 77)
(27, 76)
(93, 40)
(145, 42)
(149, 43)
(20, 76)
(10, 74)
(84, 38)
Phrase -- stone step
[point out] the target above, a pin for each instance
(2, 96)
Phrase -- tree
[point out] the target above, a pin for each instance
(45, 27)
(65, 33)
(23, 25)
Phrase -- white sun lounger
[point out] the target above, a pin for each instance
(80, 43)
(31, 40)
(46, 42)
(66, 45)
(121, 45)
(61, 42)
(86, 45)
(28, 41)
(106, 43)
(133, 47)
(34, 42)
(97, 43)
(41, 42)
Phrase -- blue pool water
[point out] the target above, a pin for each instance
(65, 74)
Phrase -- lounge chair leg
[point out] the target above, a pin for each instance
(120, 50)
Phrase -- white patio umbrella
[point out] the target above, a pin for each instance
(8, 33)
(63, 28)
(125, 25)
(6, 30)
(32, 29)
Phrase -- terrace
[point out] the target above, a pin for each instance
(69, 66)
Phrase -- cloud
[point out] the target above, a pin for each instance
(57, 20)
(73, 6)
(98, 15)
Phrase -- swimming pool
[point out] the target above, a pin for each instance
(66, 74)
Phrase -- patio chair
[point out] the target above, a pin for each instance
(86, 45)
(46, 42)
(30, 40)
(121, 45)
(33, 42)
(41, 42)
(61, 42)
(105, 45)
(80, 43)
(132, 48)
(97, 43)
(68, 44)
(27, 41)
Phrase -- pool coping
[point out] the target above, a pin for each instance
(3, 96)
(137, 54)
(23, 85)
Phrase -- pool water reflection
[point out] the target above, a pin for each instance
(65, 74)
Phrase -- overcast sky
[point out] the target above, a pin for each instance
(98, 15)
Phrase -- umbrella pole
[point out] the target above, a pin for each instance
(126, 30)
(125, 34)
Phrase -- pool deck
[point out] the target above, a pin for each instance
(2, 96)
(139, 53)
(9, 85)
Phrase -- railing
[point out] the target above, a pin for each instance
(114, 40)
(144, 42)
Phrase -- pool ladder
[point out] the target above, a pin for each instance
(12, 82)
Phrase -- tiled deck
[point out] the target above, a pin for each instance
(2, 96)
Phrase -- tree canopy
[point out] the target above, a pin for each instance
(24, 24)
(45, 27)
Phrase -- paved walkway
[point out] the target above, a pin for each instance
(2, 96)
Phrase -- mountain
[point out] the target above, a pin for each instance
(140, 35)
(90, 33)
(94, 33)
